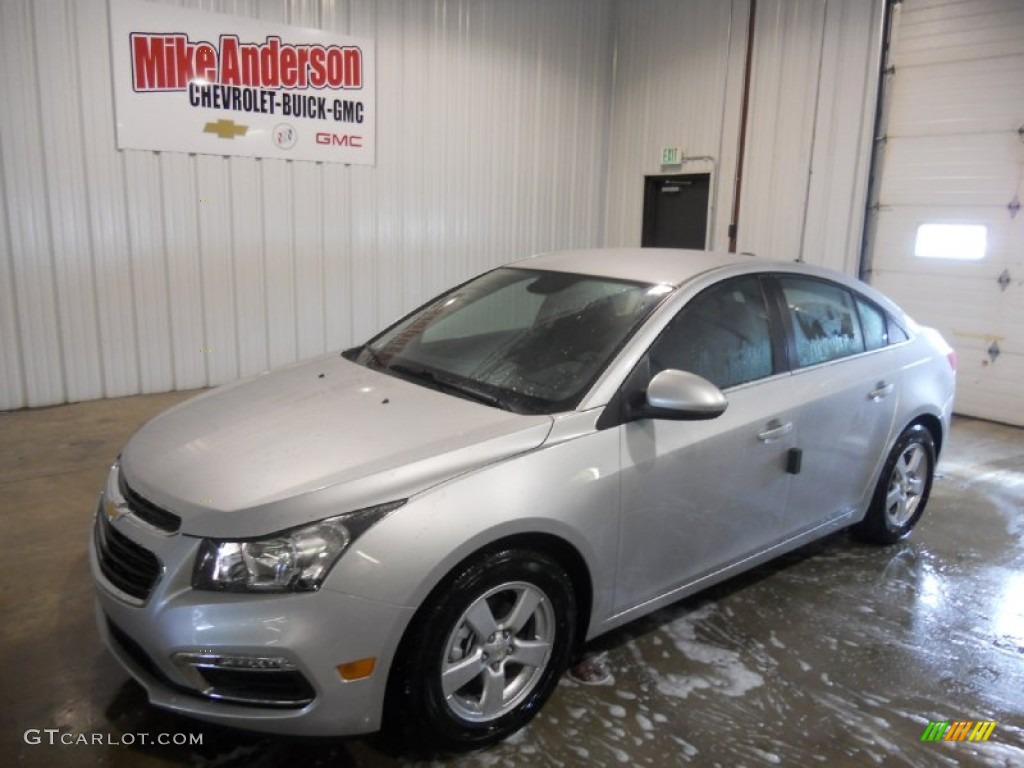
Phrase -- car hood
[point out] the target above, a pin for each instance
(312, 440)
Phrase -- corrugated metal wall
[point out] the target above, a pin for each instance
(505, 127)
(679, 77)
(954, 154)
(813, 91)
(678, 83)
(127, 272)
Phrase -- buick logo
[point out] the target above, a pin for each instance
(285, 136)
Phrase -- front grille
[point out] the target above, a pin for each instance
(129, 567)
(146, 510)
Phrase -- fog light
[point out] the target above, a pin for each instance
(250, 679)
(222, 661)
(193, 665)
(357, 670)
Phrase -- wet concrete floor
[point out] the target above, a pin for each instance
(839, 654)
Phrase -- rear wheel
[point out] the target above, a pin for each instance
(484, 653)
(903, 488)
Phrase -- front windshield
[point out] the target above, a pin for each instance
(526, 340)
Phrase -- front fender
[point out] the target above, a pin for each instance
(568, 490)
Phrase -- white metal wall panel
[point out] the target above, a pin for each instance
(147, 290)
(277, 215)
(213, 185)
(813, 93)
(953, 155)
(841, 154)
(179, 200)
(789, 36)
(11, 380)
(503, 131)
(678, 83)
(30, 251)
(108, 217)
(66, 202)
(125, 272)
(249, 272)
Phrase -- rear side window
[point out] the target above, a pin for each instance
(896, 332)
(880, 330)
(722, 335)
(873, 322)
(824, 320)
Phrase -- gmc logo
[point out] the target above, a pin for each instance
(339, 140)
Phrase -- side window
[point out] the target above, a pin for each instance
(722, 335)
(873, 321)
(880, 330)
(823, 319)
(896, 332)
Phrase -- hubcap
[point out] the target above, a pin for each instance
(906, 484)
(497, 651)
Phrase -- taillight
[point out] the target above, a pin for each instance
(951, 356)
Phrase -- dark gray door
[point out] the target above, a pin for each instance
(676, 211)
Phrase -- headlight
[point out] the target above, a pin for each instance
(296, 560)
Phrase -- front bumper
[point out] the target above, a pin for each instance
(307, 636)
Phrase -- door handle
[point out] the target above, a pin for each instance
(774, 430)
(882, 389)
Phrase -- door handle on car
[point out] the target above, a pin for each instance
(882, 389)
(774, 430)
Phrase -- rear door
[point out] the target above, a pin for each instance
(848, 392)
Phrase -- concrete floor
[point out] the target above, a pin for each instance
(837, 655)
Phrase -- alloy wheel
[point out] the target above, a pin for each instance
(497, 651)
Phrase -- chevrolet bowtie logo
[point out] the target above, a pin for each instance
(114, 511)
(226, 129)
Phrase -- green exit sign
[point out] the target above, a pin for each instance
(670, 156)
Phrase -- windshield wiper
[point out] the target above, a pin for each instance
(441, 383)
(374, 357)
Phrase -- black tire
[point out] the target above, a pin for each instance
(903, 488)
(438, 698)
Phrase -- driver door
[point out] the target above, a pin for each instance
(699, 496)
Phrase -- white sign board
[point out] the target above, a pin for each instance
(192, 81)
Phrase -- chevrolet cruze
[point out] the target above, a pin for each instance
(420, 531)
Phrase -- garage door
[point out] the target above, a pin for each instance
(948, 240)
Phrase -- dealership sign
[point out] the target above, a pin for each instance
(191, 81)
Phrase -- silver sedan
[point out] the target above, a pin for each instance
(418, 533)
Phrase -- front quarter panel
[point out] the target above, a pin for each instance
(568, 490)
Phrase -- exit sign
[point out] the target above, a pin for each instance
(671, 156)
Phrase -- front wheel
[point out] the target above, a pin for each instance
(902, 490)
(485, 652)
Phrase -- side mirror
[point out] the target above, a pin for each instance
(683, 396)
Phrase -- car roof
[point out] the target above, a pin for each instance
(678, 266)
(665, 266)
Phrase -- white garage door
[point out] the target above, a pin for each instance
(949, 240)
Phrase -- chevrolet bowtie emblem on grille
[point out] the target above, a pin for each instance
(226, 129)
(114, 511)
